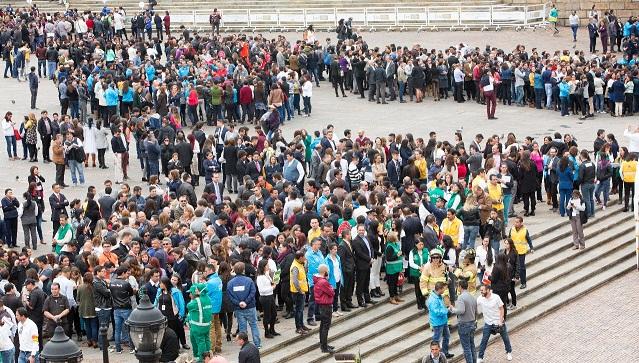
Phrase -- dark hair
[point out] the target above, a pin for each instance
(261, 266)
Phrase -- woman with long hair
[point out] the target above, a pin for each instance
(528, 183)
(224, 271)
(89, 142)
(37, 193)
(500, 278)
(170, 301)
(469, 214)
(86, 309)
(513, 268)
(265, 287)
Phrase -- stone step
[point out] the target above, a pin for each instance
(364, 331)
(411, 346)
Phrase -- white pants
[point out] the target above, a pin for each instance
(117, 163)
(375, 268)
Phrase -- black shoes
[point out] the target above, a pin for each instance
(328, 350)
(380, 292)
(350, 305)
(449, 355)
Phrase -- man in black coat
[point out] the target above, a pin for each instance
(58, 203)
(363, 252)
(347, 257)
(45, 129)
(394, 169)
(121, 153)
(186, 188)
(248, 351)
(304, 219)
(185, 153)
(170, 346)
(431, 237)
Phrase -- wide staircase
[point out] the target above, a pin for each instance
(556, 276)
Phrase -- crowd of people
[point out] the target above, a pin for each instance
(284, 228)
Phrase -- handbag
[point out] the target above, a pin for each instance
(17, 135)
(401, 279)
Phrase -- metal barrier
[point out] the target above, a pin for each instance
(376, 18)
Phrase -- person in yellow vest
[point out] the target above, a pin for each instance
(394, 265)
(453, 227)
(496, 195)
(420, 164)
(299, 289)
(434, 272)
(523, 244)
(417, 258)
(468, 271)
(627, 172)
(479, 179)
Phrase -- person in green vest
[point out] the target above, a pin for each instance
(199, 319)
(553, 17)
(64, 234)
(454, 197)
(437, 192)
(417, 258)
(394, 265)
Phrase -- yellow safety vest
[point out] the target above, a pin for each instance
(301, 277)
(628, 170)
(452, 229)
(519, 238)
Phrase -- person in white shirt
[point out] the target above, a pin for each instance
(265, 286)
(28, 337)
(573, 19)
(632, 134)
(7, 349)
(491, 306)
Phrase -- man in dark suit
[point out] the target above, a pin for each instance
(45, 129)
(220, 136)
(304, 219)
(185, 153)
(394, 169)
(345, 253)
(431, 233)
(58, 203)
(186, 188)
(216, 187)
(363, 252)
(254, 167)
(328, 142)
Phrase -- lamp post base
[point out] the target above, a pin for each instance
(146, 357)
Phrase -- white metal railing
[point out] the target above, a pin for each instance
(462, 17)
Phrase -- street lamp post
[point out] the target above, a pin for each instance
(60, 349)
(104, 329)
(146, 326)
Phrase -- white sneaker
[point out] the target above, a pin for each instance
(480, 360)
(603, 207)
(509, 356)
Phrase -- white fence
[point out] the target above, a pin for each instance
(388, 18)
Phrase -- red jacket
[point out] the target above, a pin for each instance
(323, 290)
(246, 95)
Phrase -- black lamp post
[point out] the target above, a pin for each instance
(60, 349)
(146, 326)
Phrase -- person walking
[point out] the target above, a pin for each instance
(33, 86)
(493, 310)
(573, 19)
(466, 310)
(324, 295)
(438, 317)
(553, 16)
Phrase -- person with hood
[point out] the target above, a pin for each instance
(214, 290)
(199, 319)
(324, 295)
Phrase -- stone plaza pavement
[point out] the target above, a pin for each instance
(378, 120)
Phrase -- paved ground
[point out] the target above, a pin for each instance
(444, 118)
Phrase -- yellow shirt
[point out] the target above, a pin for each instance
(454, 229)
(519, 238)
(301, 277)
(495, 193)
(313, 234)
(628, 170)
(421, 166)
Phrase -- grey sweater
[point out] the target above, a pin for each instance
(29, 212)
(465, 308)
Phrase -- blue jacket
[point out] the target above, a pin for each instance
(241, 288)
(565, 178)
(314, 260)
(111, 96)
(214, 288)
(564, 89)
(331, 270)
(178, 299)
(437, 312)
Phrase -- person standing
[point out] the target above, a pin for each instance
(74, 151)
(33, 86)
(46, 131)
(249, 353)
(56, 309)
(573, 19)
(324, 295)
(523, 244)
(491, 306)
(575, 207)
(314, 259)
(265, 287)
(487, 85)
(199, 319)
(347, 260)
(438, 317)
(121, 292)
(593, 33)
(466, 310)
(214, 289)
(28, 335)
(363, 261)
(299, 288)
(241, 291)
(10, 205)
(103, 301)
(394, 265)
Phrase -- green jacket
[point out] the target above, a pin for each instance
(200, 309)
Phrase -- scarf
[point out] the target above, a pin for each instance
(62, 231)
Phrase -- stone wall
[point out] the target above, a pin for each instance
(623, 9)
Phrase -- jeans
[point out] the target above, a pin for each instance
(104, 318)
(599, 103)
(76, 167)
(298, 300)
(307, 105)
(519, 95)
(467, 339)
(249, 315)
(121, 332)
(313, 308)
(507, 199)
(486, 336)
(522, 268)
(495, 244)
(51, 67)
(564, 196)
(574, 32)
(564, 105)
(24, 357)
(11, 145)
(539, 94)
(440, 332)
(9, 355)
(603, 186)
(470, 235)
(91, 328)
(402, 87)
(548, 89)
(588, 191)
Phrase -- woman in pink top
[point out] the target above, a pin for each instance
(538, 160)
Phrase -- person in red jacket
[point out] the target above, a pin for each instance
(324, 294)
(246, 101)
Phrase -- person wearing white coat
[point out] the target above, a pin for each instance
(90, 148)
(101, 143)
